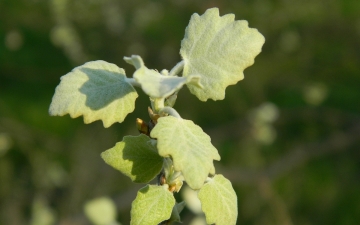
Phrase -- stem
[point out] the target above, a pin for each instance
(159, 103)
(177, 68)
(170, 111)
(133, 82)
(208, 179)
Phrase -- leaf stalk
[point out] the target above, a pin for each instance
(171, 111)
(177, 68)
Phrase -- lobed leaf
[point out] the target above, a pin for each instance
(135, 157)
(157, 85)
(152, 205)
(218, 49)
(96, 90)
(219, 201)
(189, 147)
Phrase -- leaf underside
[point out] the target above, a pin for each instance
(218, 49)
(96, 90)
(135, 157)
(155, 84)
(189, 147)
(219, 201)
(152, 205)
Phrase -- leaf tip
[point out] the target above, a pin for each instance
(134, 60)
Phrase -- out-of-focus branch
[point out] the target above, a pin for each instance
(27, 137)
(296, 157)
(276, 203)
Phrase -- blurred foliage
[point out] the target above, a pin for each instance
(289, 134)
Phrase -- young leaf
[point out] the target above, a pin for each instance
(135, 157)
(189, 147)
(218, 49)
(152, 205)
(155, 84)
(219, 201)
(96, 90)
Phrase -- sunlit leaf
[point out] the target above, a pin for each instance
(96, 90)
(152, 205)
(158, 85)
(219, 201)
(135, 157)
(189, 147)
(218, 49)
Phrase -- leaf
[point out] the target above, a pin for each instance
(191, 198)
(218, 49)
(101, 211)
(152, 205)
(189, 147)
(158, 85)
(96, 90)
(219, 201)
(135, 157)
(175, 214)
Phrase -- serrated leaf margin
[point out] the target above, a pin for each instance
(68, 98)
(219, 201)
(157, 211)
(213, 80)
(141, 150)
(184, 162)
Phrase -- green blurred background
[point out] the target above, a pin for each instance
(288, 134)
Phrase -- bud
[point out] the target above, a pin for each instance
(142, 126)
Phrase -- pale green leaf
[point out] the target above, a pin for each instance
(175, 214)
(170, 101)
(219, 201)
(96, 90)
(218, 49)
(101, 211)
(152, 205)
(135, 157)
(189, 147)
(158, 85)
(193, 203)
(41, 212)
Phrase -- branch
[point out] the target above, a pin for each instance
(296, 157)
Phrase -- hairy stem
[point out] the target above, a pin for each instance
(133, 82)
(159, 103)
(177, 68)
(170, 111)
